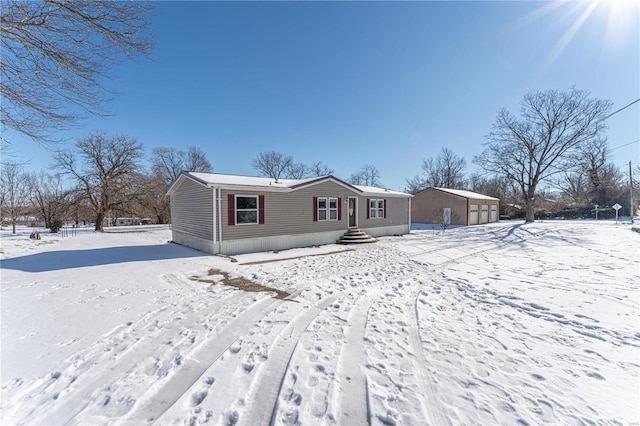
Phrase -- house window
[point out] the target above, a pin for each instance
(322, 209)
(327, 209)
(376, 209)
(333, 209)
(246, 209)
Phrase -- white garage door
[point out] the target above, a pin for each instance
(473, 214)
(493, 216)
(484, 218)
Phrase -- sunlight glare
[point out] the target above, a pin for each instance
(620, 20)
(564, 41)
(623, 19)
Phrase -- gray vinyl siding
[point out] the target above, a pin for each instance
(192, 209)
(397, 212)
(292, 213)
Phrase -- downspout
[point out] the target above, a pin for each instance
(468, 214)
(409, 214)
(214, 218)
(220, 221)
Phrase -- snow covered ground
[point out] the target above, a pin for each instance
(498, 324)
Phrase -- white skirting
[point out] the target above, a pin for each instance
(280, 242)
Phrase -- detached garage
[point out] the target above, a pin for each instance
(466, 207)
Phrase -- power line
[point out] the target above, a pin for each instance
(626, 144)
(624, 107)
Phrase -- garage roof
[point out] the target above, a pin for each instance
(466, 194)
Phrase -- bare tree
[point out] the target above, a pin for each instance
(318, 169)
(154, 202)
(415, 184)
(297, 171)
(56, 55)
(169, 162)
(272, 164)
(14, 192)
(573, 185)
(530, 149)
(368, 175)
(497, 187)
(594, 179)
(196, 160)
(50, 199)
(444, 171)
(107, 173)
(604, 177)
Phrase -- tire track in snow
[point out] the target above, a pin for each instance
(353, 406)
(263, 401)
(433, 405)
(157, 403)
(119, 356)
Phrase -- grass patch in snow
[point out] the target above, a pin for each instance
(239, 283)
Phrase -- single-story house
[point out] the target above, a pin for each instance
(231, 214)
(466, 207)
(127, 221)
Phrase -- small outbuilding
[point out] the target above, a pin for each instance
(462, 207)
(231, 214)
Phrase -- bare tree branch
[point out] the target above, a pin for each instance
(272, 164)
(368, 175)
(56, 56)
(445, 171)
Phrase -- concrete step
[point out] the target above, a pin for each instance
(356, 236)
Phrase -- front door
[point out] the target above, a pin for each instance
(353, 212)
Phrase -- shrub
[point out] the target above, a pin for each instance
(55, 225)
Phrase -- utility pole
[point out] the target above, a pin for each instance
(631, 192)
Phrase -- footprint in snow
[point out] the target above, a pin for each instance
(595, 375)
(198, 397)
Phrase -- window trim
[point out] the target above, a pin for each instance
(237, 210)
(232, 209)
(327, 209)
(377, 208)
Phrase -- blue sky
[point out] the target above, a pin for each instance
(358, 83)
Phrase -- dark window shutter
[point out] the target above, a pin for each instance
(339, 208)
(261, 209)
(368, 207)
(315, 209)
(231, 209)
(385, 209)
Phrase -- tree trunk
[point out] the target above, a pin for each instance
(529, 212)
(13, 223)
(529, 205)
(99, 222)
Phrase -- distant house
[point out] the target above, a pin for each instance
(230, 214)
(467, 208)
(127, 221)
